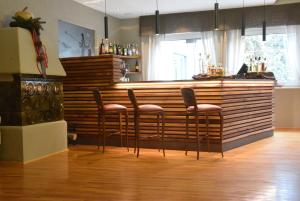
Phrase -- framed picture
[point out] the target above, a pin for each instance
(75, 41)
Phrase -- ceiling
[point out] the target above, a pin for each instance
(124, 9)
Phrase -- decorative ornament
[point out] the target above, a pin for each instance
(24, 14)
(26, 20)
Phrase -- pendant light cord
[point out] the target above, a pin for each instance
(156, 4)
(105, 7)
(243, 13)
(265, 10)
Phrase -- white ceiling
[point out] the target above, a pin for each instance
(134, 8)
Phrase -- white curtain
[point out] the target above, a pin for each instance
(224, 47)
(154, 67)
(233, 51)
(293, 37)
(211, 45)
(151, 61)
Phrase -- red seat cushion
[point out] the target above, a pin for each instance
(114, 108)
(205, 108)
(150, 108)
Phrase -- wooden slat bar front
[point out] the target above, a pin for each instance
(248, 105)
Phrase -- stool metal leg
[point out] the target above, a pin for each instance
(135, 133)
(207, 133)
(120, 129)
(186, 132)
(126, 128)
(221, 132)
(163, 133)
(197, 133)
(157, 131)
(138, 136)
(103, 132)
(99, 130)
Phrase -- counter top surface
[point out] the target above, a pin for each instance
(202, 80)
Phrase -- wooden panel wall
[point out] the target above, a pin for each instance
(248, 104)
(88, 73)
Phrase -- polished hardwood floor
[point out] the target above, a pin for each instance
(264, 170)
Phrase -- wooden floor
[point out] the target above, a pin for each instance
(265, 170)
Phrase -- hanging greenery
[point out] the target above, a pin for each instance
(27, 21)
(32, 24)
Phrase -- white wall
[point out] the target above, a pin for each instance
(53, 10)
(287, 107)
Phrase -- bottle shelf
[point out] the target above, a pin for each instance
(131, 57)
(133, 72)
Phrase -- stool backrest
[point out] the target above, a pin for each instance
(98, 98)
(132, 98)
(189, 97)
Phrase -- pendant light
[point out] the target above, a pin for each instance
(243, 31)
(264, 24)
(157, 22)
(105, 23)
(216, 15)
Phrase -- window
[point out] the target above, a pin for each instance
(180, 56)
(274, 50)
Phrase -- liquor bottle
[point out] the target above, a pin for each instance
(255, 65)
(120, 50)
(129, 50)
(209, 70)
(251, 65)
(263, 65)
(258, 65)
(220, 70)
(208, 64)
(110, 49)
(125, 51)
(213, 70)
(106, 47)
(133, 49)
(137, 66)
(102, 48)
(137, 52)
(115, 48)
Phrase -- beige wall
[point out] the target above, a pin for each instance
(287, 108)
(130, 29)
(27, 143)
(286, 1)
(53, 10)
(17, 54)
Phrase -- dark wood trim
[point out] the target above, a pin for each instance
(176, 145)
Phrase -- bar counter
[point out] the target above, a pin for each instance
(247, 107)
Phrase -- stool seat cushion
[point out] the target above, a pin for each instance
(205, 108)
(149, 108)
(114, 108)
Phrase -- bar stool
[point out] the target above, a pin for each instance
(147, 109)
(194, 109)
(110, 109)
